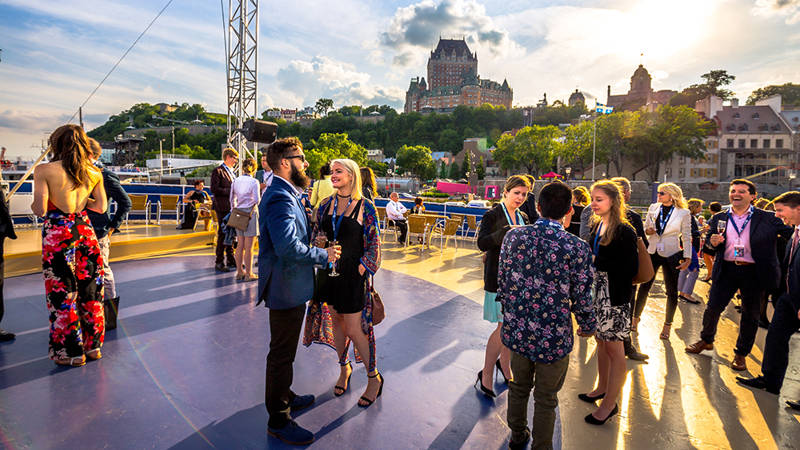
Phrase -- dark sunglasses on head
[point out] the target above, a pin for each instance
(301, 157)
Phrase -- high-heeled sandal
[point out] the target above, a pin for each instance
(75, 361)
(342, 390)
(498, 367)
(486, 391)
(665, 332)
(591, 419)
(94, 355)
(367, 401)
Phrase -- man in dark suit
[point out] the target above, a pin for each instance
(285, 282)
(221, 179)
(104, 226)
(746, 260)
(6, 231)
(786, 319)
(636, 222)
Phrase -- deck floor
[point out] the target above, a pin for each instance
(185, 370)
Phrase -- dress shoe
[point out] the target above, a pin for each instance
(292, 434)
(699, 347)
(592, 420)
(632, 353)
(221, 268)
(739, 363)
(587, 399)
(6, 336)
(301, 402)
(522, 443)
(793, 405)
(757, 383)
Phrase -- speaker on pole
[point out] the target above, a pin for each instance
(260, 131)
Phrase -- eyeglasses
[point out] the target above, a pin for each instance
(662, 193)
(302, 158)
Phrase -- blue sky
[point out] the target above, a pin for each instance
(365, 51)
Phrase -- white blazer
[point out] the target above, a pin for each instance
(678, 231)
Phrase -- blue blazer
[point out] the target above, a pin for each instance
(285, 258)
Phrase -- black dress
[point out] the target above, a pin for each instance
(575, 224)
(189, 211)
(345, 293)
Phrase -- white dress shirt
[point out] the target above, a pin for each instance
(245, 192)
(395, 210)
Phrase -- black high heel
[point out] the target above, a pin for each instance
(587, 399)
(487, 392)
(590, 419)
(500, 369)
(367, 401)
(345, 388)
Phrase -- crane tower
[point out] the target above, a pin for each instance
(242, 68)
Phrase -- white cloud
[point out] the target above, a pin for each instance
(790, 9)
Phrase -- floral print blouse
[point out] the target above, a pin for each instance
(545, 274)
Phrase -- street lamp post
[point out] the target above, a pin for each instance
(594, 141)
(567, 171)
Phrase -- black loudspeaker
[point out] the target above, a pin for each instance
(260, 131)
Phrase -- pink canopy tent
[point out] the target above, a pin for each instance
(552, 175)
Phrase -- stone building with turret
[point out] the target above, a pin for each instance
(641, 94)
(453, 80)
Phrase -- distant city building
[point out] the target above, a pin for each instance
(289, 115)
(640, 94)
(166, 108)
(453, 80)
(576, 97)
(375, 154)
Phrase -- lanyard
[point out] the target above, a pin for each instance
(230, 171)
(508, 217)
(596, 244)
(744, 225)
(338, 223)
(662, 220)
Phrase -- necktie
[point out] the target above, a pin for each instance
(795, 240)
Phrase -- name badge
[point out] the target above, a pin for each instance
(660, 247)
(738, 251)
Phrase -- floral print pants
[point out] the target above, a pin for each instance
(72, 265)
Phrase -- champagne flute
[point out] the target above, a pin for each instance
(721, 226)
(334, 273)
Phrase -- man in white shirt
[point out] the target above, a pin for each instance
(394, 212)
(264, 176)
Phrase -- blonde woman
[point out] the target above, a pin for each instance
(613, 241)
(352, 221)
(245, 195)
(668, 226)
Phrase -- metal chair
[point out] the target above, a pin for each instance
(472, 225)
(168, 203)
(417, 225)
(450, 230)
(139, 205)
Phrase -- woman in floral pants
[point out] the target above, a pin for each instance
(71, 260)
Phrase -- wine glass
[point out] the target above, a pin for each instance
(721, 226)
(334, 273)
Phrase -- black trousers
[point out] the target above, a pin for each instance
(284, 331)
(734, 278)
(2, 275)
(776, 350)
(401, 225)
(222, 249)
(670, 265)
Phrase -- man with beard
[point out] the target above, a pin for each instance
(786, 320)
(285, 282)
(746, 259)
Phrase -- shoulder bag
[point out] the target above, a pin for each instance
(645, 272)
(240, 218)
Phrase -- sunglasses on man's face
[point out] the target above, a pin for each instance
(302, 158)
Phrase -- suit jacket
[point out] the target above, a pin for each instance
(6, 224)
(491, 232)
(104, 222)
(221, 181)
(529, 207)
(677, 233)
(793, 277)
(764, 231)
(285, 258)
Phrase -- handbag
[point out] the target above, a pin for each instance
(645, 272)
(378, 310)
(240, 218)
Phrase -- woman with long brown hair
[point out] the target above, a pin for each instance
(616, 261)
(369, 187)
(63, 190)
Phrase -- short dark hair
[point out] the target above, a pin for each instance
(280, 149)
(555, 200)
(325, 170)
(790, 199)
(750, 185)
(715, 207)
(198, 182)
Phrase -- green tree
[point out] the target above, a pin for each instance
(466, 163)
(379, 168)
(713, 85)
(789, 92)
(323, 105)
(333, 146)
(667, 131)
(615, 136)
(481, 169)
(454, 175)
(415, 159)
(532, 149)
(577, 148)
(442, 169)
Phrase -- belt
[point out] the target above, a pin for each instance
(744, 263)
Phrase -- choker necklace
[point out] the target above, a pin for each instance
(343, 196)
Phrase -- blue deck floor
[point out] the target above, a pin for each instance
(185, 369)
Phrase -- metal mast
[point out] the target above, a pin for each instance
(242, 68)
